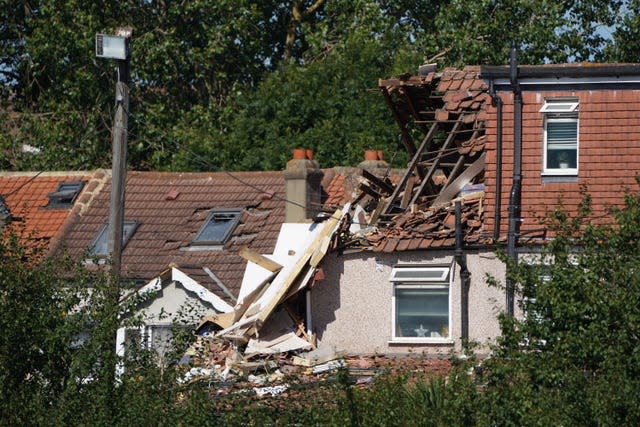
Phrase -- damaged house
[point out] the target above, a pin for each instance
(375, 260)
(492, 151)
(390, 271)
(499, 148)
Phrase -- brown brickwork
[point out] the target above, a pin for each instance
(609, 155)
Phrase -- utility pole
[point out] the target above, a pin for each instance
(119, 170)
(115, 47)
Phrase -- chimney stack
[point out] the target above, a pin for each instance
(302, 178)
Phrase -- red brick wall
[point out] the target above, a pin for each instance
(609, 156)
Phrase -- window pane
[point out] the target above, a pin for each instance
(100, 246)
(161, 338)
(422, 312)
(218, 227)
(562, 145)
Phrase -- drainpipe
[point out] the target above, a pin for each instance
(497, 102)
(465, 279)
(514, 196)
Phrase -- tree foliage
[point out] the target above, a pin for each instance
(57, 352)
(573, 357)
(201, 69)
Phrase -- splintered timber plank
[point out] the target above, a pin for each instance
(454, 172)
(408, 191)
(406, 138)
(370, 191)
(252, 320)
(465, 177)
(414, 161)
(412, 108)
(383, 185)
(434, 165)
(261, 260)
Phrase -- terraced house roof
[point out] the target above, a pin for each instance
(169, 211)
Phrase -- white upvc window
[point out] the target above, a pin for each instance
(150, 337)
(421, 307)
(561, 136)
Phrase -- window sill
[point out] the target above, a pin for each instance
(548, 177)
(421, 341)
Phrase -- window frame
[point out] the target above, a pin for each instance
(102, 233)
(560, 110)
(436, 283)
(65, 195)
(237, 213)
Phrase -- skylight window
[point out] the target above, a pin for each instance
(100, 246)
(218, 227)
(65, 195)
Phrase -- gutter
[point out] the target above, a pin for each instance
(465, 279)
(516, 187)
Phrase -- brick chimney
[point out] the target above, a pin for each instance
(302, 177)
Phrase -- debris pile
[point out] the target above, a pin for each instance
(218, 363)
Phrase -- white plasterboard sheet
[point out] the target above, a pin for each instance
(288, 268)
(287, 342)
(290, 241)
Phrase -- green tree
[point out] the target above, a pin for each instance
(57, 353)
(573, 358)
(200, 68)
(626, 35)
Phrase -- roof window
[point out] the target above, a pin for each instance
(5, 213)
(558, 105)
(218, 227)
(65, 195)
(100, 245)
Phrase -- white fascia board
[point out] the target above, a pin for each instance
(203, 293)
(154, 285)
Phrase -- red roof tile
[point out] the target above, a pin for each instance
(26, 196)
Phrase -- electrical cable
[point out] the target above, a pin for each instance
(15, 190)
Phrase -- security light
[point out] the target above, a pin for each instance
(114, 47)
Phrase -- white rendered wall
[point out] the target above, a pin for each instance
(352, 306)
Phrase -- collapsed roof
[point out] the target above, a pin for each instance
(445, 112)
(441, 117)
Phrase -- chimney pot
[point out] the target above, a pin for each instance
(371, 155)
(299, 154)
(374, 162)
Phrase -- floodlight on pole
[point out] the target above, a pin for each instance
(112, 47)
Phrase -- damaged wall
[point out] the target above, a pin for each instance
(352, 306)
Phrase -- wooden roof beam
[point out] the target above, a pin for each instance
(436, 161)
(407, 141)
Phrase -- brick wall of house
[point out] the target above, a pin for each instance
(609, 156)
